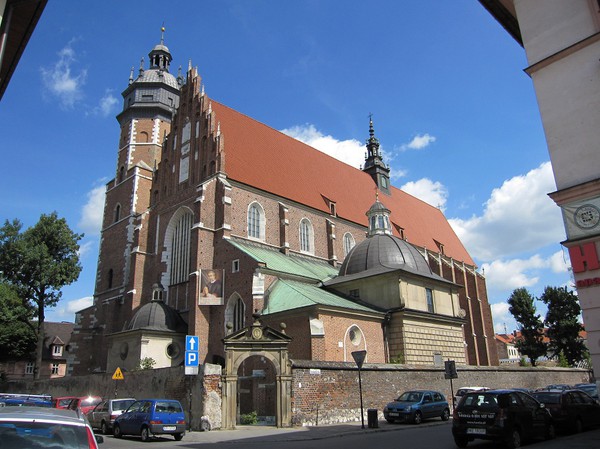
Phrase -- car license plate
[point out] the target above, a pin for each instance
(393, 414)
(169, 428)
(476, 431)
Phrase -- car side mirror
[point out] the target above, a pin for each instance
(99, 439)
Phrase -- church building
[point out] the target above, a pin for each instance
(213, 218)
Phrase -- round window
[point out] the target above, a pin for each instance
(124, 350)
(173, 350)
(355, 335)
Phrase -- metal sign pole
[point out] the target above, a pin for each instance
(359, 358)
(362, 414)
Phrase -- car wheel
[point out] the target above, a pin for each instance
(418, 418)
(446, 415)
(578, 428)
(178, 436)
(145, 434)
(117, 431)
(514, 440)
(104, 428)
(551, 431)
(461, 441)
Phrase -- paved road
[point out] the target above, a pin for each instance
(432, 434)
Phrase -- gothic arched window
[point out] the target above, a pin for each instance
(306, 236)
(256, 221)
(178, 239)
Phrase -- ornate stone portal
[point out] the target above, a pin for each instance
(271, 346)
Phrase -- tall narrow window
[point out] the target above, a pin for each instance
(55, 367)
(256, 222)
(179, 235)
(430, 307)
(117, 213)
(348, 243)
(306, 236)
(29, 368)
(109, 278)
(235, 313)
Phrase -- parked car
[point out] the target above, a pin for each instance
(556, 387)
(85, 403)
(148, 417)
(417, 405)
(506, 416)
(591, 389)
(63, 401)
(572, 410)
(463, 390)
(104, 414)
(20, 400)
(25, 427)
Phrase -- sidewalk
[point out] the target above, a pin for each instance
(585, 440)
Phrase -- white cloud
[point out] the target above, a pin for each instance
(61, 82)
(418, 142)
(503, 319)
(85, 248)
(518, 217)
(351, 152)
(93, 211)
(516, 273)
(78, 304)
(106, 104)
(559, 262)
(434, 193)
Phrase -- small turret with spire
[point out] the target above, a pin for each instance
(374, 164)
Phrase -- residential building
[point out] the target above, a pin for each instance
(562, 42)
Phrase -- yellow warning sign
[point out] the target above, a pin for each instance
(118, 375)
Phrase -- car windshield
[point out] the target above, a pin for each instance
(123, 404)
(168, 407)
(410, 396)
(480, 400)
(19, 434)
(547, 398)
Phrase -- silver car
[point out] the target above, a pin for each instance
(23, 427)
(103, 415)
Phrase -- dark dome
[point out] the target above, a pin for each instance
(387, 252)
(156, 315)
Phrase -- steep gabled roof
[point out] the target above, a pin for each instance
(262, 157)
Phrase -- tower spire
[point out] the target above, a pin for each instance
(374, 164)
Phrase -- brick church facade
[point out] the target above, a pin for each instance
(202, 192)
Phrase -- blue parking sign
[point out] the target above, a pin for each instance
(192, 343)
(191, 358)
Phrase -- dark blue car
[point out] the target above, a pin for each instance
(149, 417)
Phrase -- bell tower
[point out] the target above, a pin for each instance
(149, 104)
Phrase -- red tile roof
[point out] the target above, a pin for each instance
(265, 158)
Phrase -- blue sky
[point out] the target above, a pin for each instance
(456, 115)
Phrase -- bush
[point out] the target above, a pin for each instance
(249, 418)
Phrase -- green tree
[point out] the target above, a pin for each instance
(562, 321)
(17, 334)
(522, 308)
(36, 264)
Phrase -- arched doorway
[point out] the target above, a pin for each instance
(256, 390)
(257, 376)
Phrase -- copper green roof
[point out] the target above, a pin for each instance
(275, 261)
(288, 295)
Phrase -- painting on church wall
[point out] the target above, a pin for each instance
(211, 287)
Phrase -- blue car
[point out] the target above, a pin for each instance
(416, 405)
(149, 417)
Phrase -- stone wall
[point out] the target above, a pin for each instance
(328, 392)
(322, 392)
(199, 395)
